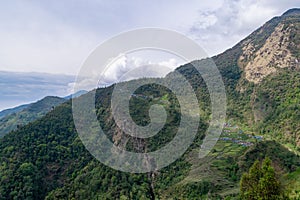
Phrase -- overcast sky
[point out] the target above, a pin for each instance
(57, 36)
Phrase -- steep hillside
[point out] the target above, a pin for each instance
(9, 111)
(271, 77)
(28, 113)
(46, 159)
(261, 77)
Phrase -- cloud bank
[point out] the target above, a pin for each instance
(57, 36)
(126, 67)
(22, 88)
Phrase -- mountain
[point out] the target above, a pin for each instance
(11, 119)
(46, 159)
(76, 94)
(24, 114)
(269, 62)
(9, 111)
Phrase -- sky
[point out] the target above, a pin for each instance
(21, 88)
(57, 36)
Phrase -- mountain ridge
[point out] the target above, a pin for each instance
(9, 111)
(21, 115)
(28, 113)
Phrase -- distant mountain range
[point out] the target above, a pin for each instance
(13, 118)
(9, 111)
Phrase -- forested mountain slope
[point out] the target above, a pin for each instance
(22, 115)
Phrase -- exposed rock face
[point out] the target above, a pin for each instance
(272, 55)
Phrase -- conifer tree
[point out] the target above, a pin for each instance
(261, 182)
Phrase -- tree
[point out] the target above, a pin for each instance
(268, 184)
(249, 182)
(261, 183)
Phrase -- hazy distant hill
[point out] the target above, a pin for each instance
(9, 111)
(24, 114)
(21, 115)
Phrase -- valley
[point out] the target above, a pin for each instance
(46, 159)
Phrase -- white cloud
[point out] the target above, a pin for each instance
(124, 64)
(206, 19)
(126, 67)
(35, 40)
(220, 28)
(172, 63)
(21, 88)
